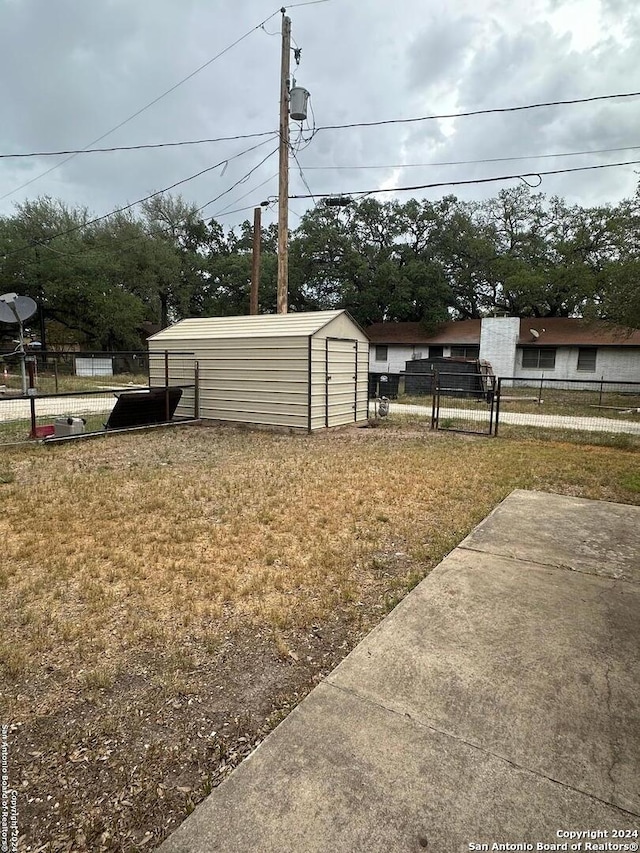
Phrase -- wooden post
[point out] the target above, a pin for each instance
(255, 261)
(283, 185)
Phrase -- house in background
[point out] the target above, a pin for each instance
(524, 348)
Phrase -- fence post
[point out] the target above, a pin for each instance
(497, 418)
(31, 392)
(435, 405)
(601, 389)
(540, 390)
(32, 412)
(55, 373)
(491, 396)
(166, 385)
(196, 392)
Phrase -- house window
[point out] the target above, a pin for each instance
(587, 358)
(541, 358)
(382, 352)
(465, 352)
(436, 352)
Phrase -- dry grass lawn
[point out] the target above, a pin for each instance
(168, 596)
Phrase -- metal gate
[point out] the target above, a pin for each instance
(341, 381)
(464, 402)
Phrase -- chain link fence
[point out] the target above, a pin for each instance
(571, 406)
(57, 372)
(590, 411)
(172, 395)
(464, 402)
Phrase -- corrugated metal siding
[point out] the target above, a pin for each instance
(363, 381)
(347, 397)
(342, 326)
(318, 374)
(344, 400)
(259, 325)
(265, 380)
(260, 381)
(181, 372)
(342, 377)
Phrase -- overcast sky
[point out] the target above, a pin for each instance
(74, 69)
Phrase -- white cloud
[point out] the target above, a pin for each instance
(77, 69)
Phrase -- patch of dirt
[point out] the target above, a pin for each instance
(127, 764)
(119, 768)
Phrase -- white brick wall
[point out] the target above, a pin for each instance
(620, 364)
(397, 356)
(498, 339)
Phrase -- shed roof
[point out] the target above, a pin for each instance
(553, 331)
(295, 324)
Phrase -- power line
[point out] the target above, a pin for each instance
(471, 162)
(478, 180)
(249, 192)
(239, 181)
(139, 147)
(308, 3)
(183, 142)
(237, 210)
(304, 180)
(478, 112)
(144, 108)
(89, 150)
(97, 219)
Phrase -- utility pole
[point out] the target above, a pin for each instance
(283, 186)
(255, 260)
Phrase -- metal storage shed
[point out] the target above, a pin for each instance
(298, 370)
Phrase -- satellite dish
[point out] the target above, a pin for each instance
(16, 309)
(535, 333)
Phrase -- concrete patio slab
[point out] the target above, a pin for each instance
(540, 666)
(587, 536)
(344, 774)
(499, 703)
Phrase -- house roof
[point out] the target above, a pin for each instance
(295, 324)
(552, 331)
(572, 331)
(453, 332)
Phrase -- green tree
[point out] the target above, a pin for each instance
(374, 259)
(72, 285)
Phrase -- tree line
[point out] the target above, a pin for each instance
(520, 252)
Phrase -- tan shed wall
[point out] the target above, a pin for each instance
(265, 380)
(342, 327)
(335, 345)
(251, 380)
(181, 372)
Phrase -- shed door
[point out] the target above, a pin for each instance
(341, 381)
